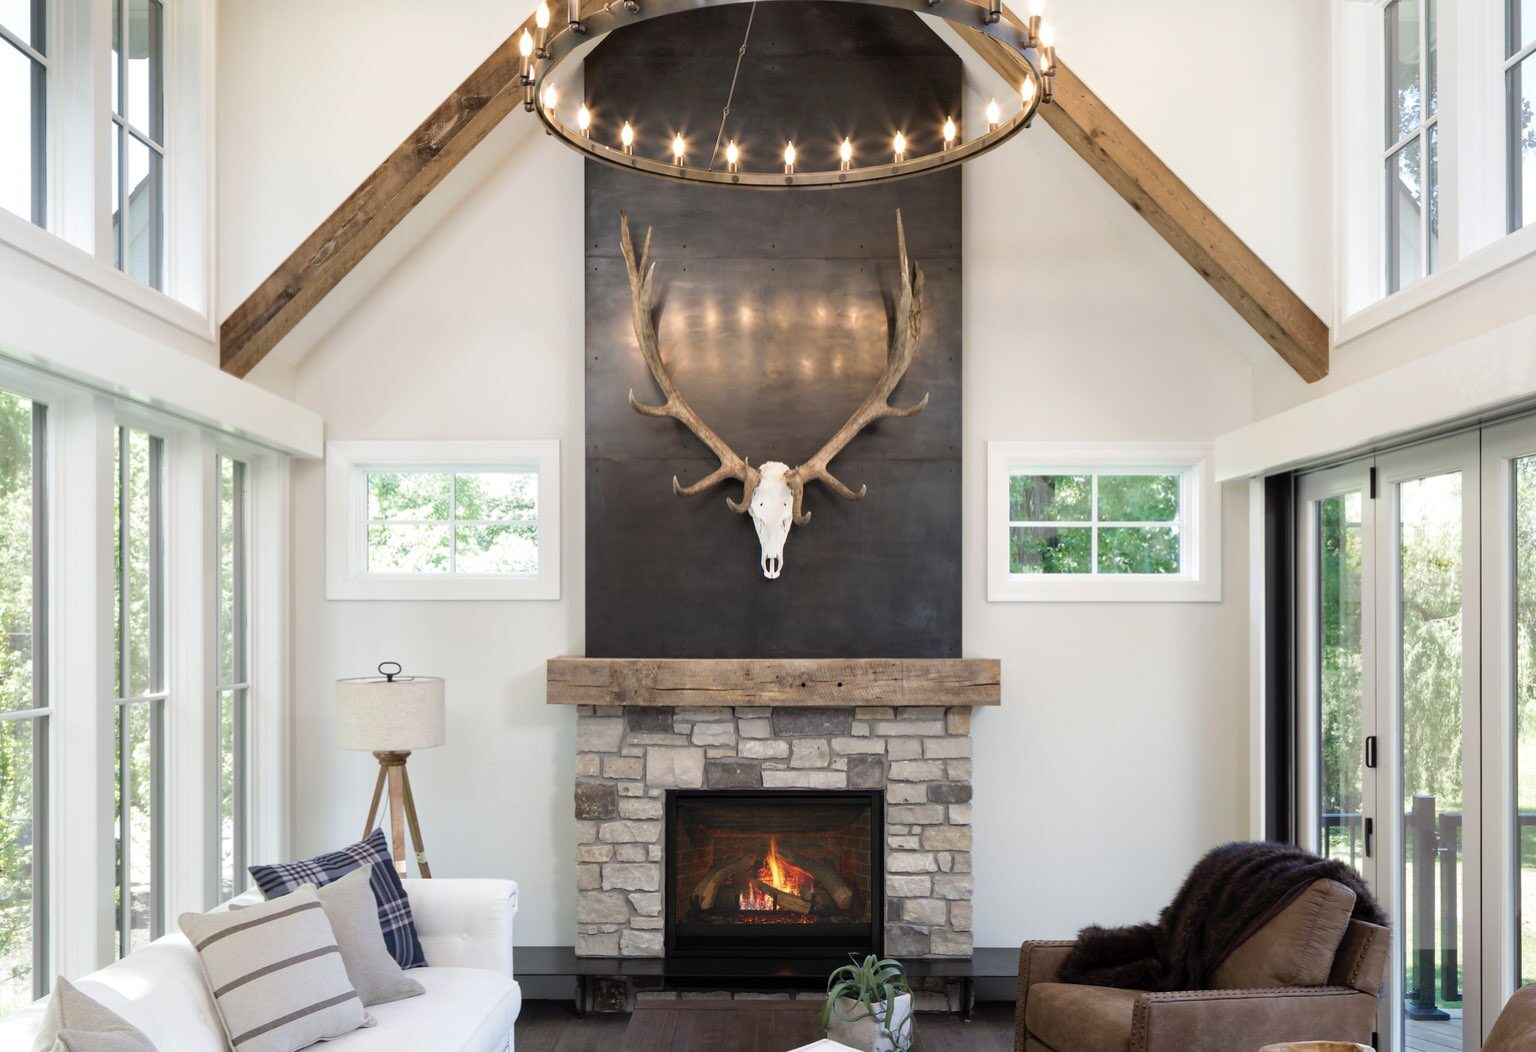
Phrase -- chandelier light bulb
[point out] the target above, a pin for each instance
(1047, 35)
(541, 16)
(900, 147)
(950, 131)
(1027, 92)
(789, 158)
(584, 119)
(994, 116)
(845, 154)
(627, 138)
(1036, 8)
(678, 146)
(525, 44)
(551, 97)
(732, 157)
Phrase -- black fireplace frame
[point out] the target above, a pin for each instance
(770, 947)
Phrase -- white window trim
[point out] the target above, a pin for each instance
(1474, 241)
(347, 465)
(1200, 523)
(77, 241)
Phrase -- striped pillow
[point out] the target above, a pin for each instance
(275, 973)
(395, 918)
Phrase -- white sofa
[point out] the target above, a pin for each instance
(470, 1004)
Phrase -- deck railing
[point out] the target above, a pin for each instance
(1432, 842)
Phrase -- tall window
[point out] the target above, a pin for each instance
(1520, 77)
(23, 702)
(234, 673)
(1412, 152)
(24, 109)
(139, 717)
(138, 139)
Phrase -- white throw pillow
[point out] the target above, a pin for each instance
(354, 916)
(74, 1022)
(276, 973)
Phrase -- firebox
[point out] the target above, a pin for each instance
(774, 873)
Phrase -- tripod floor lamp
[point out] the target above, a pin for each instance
(391, 716)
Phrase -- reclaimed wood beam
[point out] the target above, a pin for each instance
(374, 209)
(494, 89)
(782, 682)
(1126, 163)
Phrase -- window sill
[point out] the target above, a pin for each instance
(441, 589)
(1017, 588)
(49, 249)
(1505, 252)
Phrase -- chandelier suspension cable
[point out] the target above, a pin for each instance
(725, 114)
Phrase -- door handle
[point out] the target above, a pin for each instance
(1370, 831)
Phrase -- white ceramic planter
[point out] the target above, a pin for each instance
(868, 1032)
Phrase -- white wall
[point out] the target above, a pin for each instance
(1106, 707)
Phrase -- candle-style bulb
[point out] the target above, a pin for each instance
(584, 119)
(678, 147)
(789, 156)
(845, 152)
(732, 154)
(1036, 8)
(994, 114)
(950, 131)
(627, 137)
(1027, 92)
(551, 97)
(541, 16)
(1047, 35)
(900, 146)
(525, 44)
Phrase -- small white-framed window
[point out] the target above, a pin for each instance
(1520, 104)
(24, 61)
(443, 520)
(138, 140)
(1412, 142)
(1095, 522)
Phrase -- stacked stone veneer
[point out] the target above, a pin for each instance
(629, 756)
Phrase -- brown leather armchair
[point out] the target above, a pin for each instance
(1309, 973)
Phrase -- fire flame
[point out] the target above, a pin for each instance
(779, 874)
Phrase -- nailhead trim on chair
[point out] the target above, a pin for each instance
(1025, 953)
(1365, 950)
(1141, 1017)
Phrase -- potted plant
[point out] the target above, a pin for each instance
(869, 1006)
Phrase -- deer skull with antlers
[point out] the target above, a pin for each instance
(773, 494)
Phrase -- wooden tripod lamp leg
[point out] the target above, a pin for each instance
(410, 816)
(397, 814)
(373, 808)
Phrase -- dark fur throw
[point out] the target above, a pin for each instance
(1229, 895)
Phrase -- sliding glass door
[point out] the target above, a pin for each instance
(1388, 670)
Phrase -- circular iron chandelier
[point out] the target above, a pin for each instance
(544, 48)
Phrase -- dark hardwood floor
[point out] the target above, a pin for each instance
(553, 1026)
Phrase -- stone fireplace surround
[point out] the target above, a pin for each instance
(630, 753)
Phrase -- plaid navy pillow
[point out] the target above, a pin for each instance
(394, 908)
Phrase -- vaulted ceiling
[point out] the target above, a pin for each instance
(494, 89)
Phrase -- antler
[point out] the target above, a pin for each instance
(908, 325)
(731, 466)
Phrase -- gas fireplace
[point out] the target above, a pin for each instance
(774, 873)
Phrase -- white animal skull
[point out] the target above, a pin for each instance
(772, 510)
(774, 494)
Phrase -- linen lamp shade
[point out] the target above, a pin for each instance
(390, 713)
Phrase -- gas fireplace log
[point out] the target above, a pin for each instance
(827, 878)
(705, 891)
(783, 899)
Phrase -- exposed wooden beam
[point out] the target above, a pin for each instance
(476, 106)
(1126, 163)
(373, 209)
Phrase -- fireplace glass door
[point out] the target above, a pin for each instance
(774, 873)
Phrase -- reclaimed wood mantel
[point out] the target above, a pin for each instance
(782, 682)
